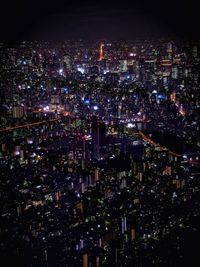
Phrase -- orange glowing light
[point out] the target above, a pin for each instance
(66, 113)
(173, 96)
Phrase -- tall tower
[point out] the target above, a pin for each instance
(101, 52)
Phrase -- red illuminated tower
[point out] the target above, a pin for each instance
(101, 52)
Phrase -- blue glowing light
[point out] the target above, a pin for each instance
(87, 101)
(135, 96)
(66, 90)
(160, 96)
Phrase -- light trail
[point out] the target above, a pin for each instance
(52, 120)
(150, 141)
(26, 125)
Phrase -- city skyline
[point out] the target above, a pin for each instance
(99, 133)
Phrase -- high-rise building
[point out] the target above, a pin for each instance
(123, 67)
(67, 62)
(195, 51)
(95, 138)
(18, 112)
(112, 78)
(98, 136)
(175, 72)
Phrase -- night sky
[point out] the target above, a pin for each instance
(61, 20)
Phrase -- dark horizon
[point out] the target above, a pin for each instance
(63, 20)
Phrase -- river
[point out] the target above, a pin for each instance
(174, 143)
